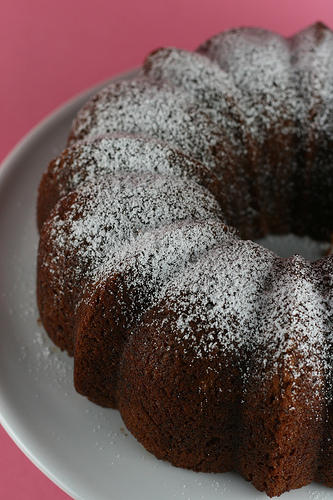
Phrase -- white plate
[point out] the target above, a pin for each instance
(83, 448)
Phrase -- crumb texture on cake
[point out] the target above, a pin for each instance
(217, 352)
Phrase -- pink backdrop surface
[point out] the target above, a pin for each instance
(50, 51)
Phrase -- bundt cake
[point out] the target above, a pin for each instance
(217, 352)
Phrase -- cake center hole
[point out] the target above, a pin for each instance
(290, 244)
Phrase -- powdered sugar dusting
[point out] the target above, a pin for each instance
(225, 284)
(212, 87)
(110, 213)
(258, 61)
(157, 109)
(155, 257)
(87, 160)
(296, 338)
(243, 303)
(312, 59)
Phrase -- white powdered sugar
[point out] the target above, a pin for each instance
(312, 59)
(243, 303)
(293, 318)
(212, 87)
(216, 298)
(285, 84)
(287, 95)
(216, 94)
(149, 261)
(258, 61)
(110, 213)
(157, 109)
(87, 160)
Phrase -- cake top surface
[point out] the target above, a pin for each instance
(98, 219)
(157, 109)
(213, 89)
(116, 153)
(242, 302)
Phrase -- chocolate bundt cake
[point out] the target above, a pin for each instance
(217, 352)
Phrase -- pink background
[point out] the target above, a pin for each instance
(51, 50)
